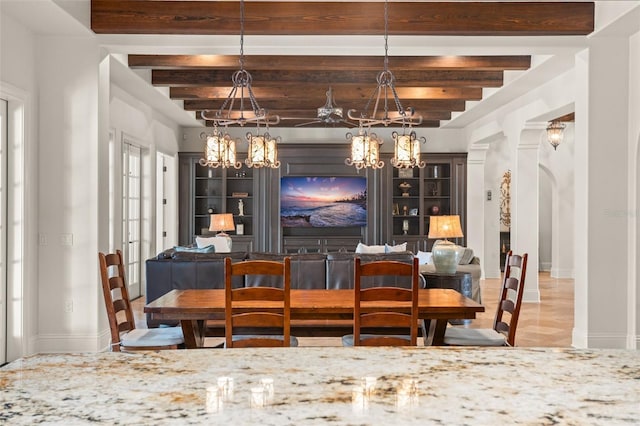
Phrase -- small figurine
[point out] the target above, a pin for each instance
(240, 208)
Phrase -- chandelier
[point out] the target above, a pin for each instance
(555, 133)
(219, 150)
(407, 151)
(365, 150)
(365, 145)
(242, 95)
(263, 151)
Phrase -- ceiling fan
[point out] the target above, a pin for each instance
(329, 113)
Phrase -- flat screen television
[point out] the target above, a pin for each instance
(323, 201)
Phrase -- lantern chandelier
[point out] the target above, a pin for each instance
(365, 146)
(220, 150)
(555, 133)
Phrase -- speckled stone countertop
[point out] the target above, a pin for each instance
(321, 385)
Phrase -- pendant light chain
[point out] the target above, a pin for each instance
(241, 34)
(385, 84)
(220, 149)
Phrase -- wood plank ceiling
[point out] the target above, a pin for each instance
(294, 87)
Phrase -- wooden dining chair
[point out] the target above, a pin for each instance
(375, 321)
(124, 334)
(258, 316)
(505, 322)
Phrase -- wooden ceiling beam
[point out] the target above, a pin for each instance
(317, 93)
(198, 77)
(331, 63)
(343, 18)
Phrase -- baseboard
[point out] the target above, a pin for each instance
(544, 266)
(531, 296)
(56, 343)
(490, 274)
(599, 340)
(562, 273)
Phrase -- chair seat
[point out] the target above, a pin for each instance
(144, 337)
(347, 340)
(293, 340)
(459, 336)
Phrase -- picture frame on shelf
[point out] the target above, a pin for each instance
(405, 173)
(396, 209)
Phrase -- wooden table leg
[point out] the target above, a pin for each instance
(194, 332)
(436, 332)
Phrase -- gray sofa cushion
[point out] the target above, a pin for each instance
(307, 271)
(340, 270)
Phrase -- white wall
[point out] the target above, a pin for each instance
(68, 287)
(544, 220)
(634, 192)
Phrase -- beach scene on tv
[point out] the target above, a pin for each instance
(320, 201)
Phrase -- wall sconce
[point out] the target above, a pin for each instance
(555, 133)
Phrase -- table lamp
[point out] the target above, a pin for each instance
(444, 252)
(222, 222)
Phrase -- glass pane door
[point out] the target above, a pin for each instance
(132, 216)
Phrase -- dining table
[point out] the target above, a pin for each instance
(194, 307)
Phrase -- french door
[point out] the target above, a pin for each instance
(132, 216)
(3, 231)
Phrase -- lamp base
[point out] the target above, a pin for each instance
(445, 257)
(225, 235)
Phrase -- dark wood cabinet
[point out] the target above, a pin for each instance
(204, 190)
(418, 194)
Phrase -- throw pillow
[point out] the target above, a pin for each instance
(362, 248)
(395, 249)
(466, 255)
(206, 249)
(221, 244)
(424, 257)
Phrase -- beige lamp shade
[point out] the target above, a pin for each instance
(445, 227)
(222, 222)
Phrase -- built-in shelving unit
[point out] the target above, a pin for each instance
(418, 194)
(205, 190)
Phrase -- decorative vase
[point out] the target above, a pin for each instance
(405, 187)
(445, 257)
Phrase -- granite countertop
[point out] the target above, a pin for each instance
(322, 385)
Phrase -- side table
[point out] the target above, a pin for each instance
(460, 281)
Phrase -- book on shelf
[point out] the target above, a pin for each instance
(239, 194)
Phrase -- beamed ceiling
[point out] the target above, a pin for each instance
(294, 86)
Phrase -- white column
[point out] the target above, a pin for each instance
(602, 236)
(476, 196)
(524, 219)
